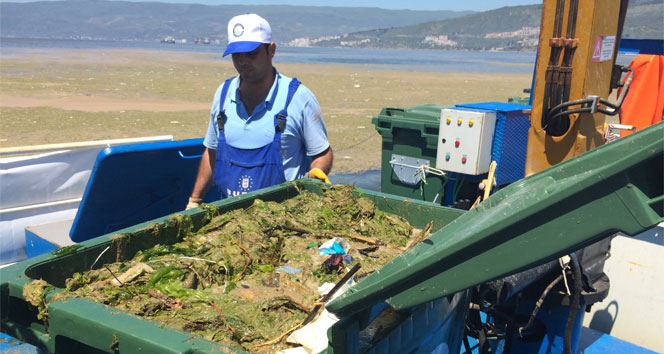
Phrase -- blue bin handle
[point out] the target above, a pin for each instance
(189, 157)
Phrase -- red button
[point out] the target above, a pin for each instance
(456, 143)
(463, 159)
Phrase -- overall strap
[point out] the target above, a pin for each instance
(221, 116)
(283, 114)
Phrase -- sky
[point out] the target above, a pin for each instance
(473, 5)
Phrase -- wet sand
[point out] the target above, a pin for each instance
(57, 96)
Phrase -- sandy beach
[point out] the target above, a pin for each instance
(58, 96)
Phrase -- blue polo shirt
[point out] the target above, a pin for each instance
(305, 134)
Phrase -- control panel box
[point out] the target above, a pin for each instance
(464, 140)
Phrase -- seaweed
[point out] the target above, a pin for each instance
(35, 293)
(65, 250)
(250, 276)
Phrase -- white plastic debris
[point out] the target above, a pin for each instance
(336, 245)
(313, 337)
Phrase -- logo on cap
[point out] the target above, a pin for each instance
(238, 30)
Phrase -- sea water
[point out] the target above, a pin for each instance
(425, 60)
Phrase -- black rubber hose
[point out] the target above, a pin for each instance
(557, 117)
(559, 123)
(576, 11)
(569, 51)
(553, 91)
(562, 106)
(566, 88)
(558, 22)
(571, 19)
(546, 106)
(574, 306)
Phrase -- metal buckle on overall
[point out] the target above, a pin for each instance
(281, 121)
(221, 119)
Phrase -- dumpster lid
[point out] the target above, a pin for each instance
(425, 112)
(530, 222)
(133, 183)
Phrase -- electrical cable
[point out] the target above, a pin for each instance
(539, 303)
(574, 305)
(442, 189)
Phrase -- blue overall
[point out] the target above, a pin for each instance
(239, 171)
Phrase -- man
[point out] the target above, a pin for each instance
(265, 128)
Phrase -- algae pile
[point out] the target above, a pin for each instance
(250, 276)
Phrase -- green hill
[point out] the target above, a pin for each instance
(467, 32)
(507, 28)
(123, 20)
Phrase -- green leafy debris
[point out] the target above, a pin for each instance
(65, 250)
(248, 275)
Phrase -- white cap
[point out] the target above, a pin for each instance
(246, 33)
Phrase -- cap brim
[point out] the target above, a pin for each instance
(241, 47)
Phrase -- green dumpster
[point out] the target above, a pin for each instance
(409, 141)
(616, 187)
(78, 325)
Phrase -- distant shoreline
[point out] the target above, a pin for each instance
(420, 60)
(280, 45)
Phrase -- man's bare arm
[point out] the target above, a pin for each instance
(204, 177)
(323, 160)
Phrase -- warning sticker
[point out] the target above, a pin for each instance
(603, 48)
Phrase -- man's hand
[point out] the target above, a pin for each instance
(319, 174)
(203, 179)
(193, 203)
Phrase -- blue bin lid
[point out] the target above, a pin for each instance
(496, 106)
(134, 183)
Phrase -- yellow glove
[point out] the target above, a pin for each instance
(193, 203)
(317, 173)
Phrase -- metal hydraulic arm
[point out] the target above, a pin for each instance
(575, 73)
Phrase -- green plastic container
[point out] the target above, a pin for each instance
(519, 100)
(82, 326)
(615, 187)
(410, 138)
